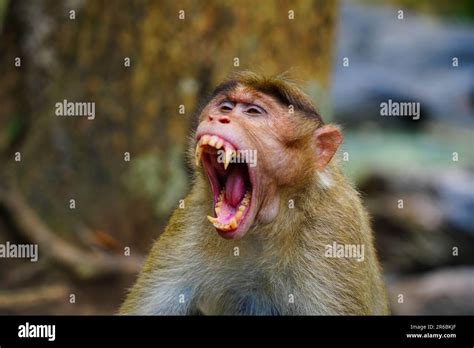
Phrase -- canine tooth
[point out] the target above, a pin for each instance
(229, 153)
(217, 209)
(239, 214)
(233, 223)
(197, 155)
(205, 139)
(218, 204)
(212, 220)
(213, 140)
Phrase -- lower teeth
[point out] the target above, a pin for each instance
(233, 222)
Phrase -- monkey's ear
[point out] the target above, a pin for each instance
(327, 138)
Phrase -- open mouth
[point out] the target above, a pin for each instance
(230, 181)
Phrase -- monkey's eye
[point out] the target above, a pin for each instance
(254, 110)
(226, 106)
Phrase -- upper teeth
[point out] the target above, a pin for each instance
(216, 142)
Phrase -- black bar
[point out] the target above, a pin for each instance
(135, 331)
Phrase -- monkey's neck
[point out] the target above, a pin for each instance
(310, 213)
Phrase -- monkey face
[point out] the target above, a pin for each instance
(248, 148)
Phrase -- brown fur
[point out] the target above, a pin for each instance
(191, 269)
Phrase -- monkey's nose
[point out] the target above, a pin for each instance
(224, 119)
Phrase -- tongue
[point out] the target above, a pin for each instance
(235, 186)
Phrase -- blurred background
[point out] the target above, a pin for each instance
(95, 194)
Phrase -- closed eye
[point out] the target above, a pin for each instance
(226, 106)
(254, 110)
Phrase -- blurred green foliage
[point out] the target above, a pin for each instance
(3, 6)
(461, 10)
(163, 182)
(397, 152)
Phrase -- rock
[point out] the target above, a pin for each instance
(434, 227)
(448, 291)
(404, 60)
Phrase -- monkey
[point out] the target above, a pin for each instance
(275, 216)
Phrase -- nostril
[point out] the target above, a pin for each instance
(224, 119)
